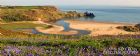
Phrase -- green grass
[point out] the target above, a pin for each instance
(13, 26)
(72, 41)
(30, 13)
(75, 44)
(23, 39)
(71, 44)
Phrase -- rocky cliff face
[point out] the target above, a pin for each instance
(34, 13)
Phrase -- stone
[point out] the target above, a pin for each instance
(89, 14)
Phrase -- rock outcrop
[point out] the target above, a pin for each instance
(87, 14)
(73, 14)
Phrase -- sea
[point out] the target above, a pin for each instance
(121, 14)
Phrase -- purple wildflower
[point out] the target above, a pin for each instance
(30, 54)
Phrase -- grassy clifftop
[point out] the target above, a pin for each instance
(33, 13)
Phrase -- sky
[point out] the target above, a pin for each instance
(72, 2)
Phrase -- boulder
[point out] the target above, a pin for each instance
(89, 14)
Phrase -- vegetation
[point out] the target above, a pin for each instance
(137, 25)
(18, 43)
(34, 13)
(9, 15)
(61, 45)
(22, 25)
(135, 28)
(73, 14)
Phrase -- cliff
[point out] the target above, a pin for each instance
(34, 13)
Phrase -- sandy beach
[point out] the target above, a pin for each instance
(54, 30)
(96, 28)
(100, 28)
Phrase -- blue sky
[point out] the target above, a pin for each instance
(72, 2)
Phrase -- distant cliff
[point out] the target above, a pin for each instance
(34, 13)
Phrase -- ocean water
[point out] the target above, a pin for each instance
(107, 13)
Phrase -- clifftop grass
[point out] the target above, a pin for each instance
(29, 13)
(34, 13)
(13, 26)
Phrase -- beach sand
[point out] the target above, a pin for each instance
(96, 28)
(100, 28)
(54, 30)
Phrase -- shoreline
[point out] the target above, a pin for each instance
(54, 30)
(96, 28)
(121, 23)
(100, 28)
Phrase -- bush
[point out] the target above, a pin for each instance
(129, 28)
(137, 25)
